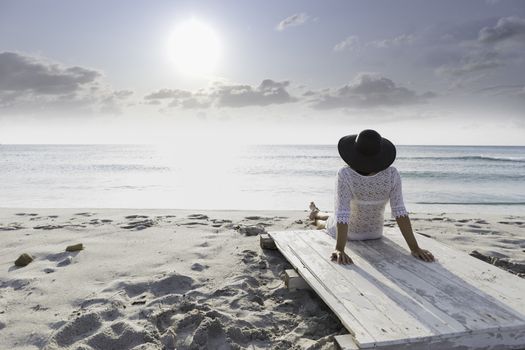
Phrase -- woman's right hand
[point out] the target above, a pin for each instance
(340, 257)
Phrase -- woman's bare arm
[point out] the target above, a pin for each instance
(341, 233)
(406, 229)
(339, 254)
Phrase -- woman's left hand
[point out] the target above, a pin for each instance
(423, 254)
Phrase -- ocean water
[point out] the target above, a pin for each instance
(473, 179)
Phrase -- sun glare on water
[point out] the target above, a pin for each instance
(195, 48)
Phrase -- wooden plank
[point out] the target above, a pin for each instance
(505, 340)
(413, 304)
(500, 285)
(484, 316)
(503, 290)
(365, 302)
(282, 239)
(352, 324)
(444, 290)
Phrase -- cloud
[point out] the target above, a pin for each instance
(292, 21)
(122, 94)
(471, 62)
(368, 90)
(30, 83)
(112, 102)
(351, 43)
(503, 90)
(26, 74)
(191, 103)
(179, 98)
(226, 95)
(168, 93)
(267, 93)
(403, 39)
(507, 28)
(446, 32)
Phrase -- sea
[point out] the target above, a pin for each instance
(436, 179)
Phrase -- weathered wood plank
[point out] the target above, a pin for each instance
(455, 304)
(389, 323)
(503, 340)
(282, 239)
(413, 304)
(500, 285)
(444, 290)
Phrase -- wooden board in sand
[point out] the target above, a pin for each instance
(391, 300)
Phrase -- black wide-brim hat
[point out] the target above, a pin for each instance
(367, 152)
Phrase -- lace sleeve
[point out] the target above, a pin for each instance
(396, 196)
(343, 195)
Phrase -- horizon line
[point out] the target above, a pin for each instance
(247, 144)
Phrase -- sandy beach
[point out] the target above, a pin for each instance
(184, 279)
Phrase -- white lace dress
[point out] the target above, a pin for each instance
(360, 202)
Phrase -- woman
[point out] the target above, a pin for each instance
(362, 190)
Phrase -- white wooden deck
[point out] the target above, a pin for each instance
(390, 300)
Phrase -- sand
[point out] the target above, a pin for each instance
(183, 279)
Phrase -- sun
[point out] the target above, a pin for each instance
(195, 48)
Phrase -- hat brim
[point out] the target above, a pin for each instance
(363, 163)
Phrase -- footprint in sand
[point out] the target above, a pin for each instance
(174, 283)
(84, 214)
(62, 259)
(14, 226)
(193, 223)
(139, 225)
(264, 224)
(221, 221)
(198, 267)
(75, 330)
(248, 256)
(198, 216)
(55, 227)
(254, 260)
(225, 292)
(136, 217)
(251, 230)
(106, 323)
(255, 217)
(511, 222)
(66, 261)
(98, 222)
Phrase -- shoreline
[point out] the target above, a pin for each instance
(184, 278)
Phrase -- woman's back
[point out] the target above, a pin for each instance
(360, 202)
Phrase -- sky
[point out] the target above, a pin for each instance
(444, 72)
